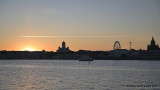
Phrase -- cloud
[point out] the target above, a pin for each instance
(68, 36)
(50, 11)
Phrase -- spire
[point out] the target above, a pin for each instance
(63, 44)
(152, 41)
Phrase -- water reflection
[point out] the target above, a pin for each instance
(59, 75)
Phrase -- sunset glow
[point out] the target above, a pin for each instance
(29, 49)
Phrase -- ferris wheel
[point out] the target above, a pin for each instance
(117, 45)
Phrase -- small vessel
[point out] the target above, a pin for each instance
(85, 58)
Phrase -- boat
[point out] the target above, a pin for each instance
(85, 58)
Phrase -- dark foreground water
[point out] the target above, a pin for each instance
(78, 75)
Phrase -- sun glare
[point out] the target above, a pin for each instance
(29, 49)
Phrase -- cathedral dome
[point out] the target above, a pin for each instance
(152, 46)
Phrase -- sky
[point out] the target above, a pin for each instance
(82, 24)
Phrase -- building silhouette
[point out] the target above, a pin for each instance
(152, 45)
(63, 48)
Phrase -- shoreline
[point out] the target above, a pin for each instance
(93, 60)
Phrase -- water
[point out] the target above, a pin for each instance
(76, 75)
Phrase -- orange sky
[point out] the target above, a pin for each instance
(75, 43)
(88, 25)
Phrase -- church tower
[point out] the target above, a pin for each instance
(63, 44)
(64, 48)
(152, 42)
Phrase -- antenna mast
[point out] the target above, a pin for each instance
(130, 45)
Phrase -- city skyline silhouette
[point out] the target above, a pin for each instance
(152, 45)
(79, 44)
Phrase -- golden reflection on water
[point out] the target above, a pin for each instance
(31, 78)
(27, 78)
(23, 66)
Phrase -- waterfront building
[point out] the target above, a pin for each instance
(118, 52)
(63, 48)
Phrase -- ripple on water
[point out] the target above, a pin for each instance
(67, 75)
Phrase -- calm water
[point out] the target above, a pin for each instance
(76, 75)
